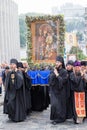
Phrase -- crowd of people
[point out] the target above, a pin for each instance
(21, 97)
(66, 91)
(17, 90)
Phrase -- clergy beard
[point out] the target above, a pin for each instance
(78, 73)
(69, 71)
(59, 67)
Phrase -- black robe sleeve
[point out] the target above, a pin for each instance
(59, 81)
(19, 80)
(77, 83)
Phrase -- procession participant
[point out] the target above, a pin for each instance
(14, 100)
(78, 93)
(27, 83)
(58, 84)
(83, 66)
(85, 78)
(69, 68)
(26, 66)
(2, 68)
(4, 74)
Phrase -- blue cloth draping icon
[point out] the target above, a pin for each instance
(39, 77)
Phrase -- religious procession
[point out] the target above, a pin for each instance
(62, 87)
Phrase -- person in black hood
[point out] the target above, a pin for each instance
(27, 83)
(61, 60)
(83, 65)
(14, 100)
(69, 68)
(57, 83)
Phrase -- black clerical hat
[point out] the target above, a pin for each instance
(83, 63)
(60, 58)
(20, 65)
(14, 61)
(7, 67)
(77, 63)
(70, 62)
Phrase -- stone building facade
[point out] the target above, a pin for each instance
(9, 31)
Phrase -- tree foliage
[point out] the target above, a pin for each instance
(78, 52)
(80, 36)
(23, 27)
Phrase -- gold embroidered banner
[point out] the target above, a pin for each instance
(80, 104)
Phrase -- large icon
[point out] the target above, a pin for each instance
(45, 40)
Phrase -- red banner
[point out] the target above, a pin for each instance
(80, 104)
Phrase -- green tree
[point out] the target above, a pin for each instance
(78, 52)
(79, 36)
(22, 26)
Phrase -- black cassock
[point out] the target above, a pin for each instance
(58, 95)
(14, 101)
(28, 85)
(69, 99)
(86, 98)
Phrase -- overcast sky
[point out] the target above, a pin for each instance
(43, 6)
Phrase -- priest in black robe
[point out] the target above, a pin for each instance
(84, 71)
(69, 101)
(58, 84)
(27, 83)
(14, 101)
(77, 82)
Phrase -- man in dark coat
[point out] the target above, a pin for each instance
(69, 68)
(57, 83)
(14, 101)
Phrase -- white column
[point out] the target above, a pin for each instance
(9, 31)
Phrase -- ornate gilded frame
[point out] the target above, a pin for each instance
(31, 21)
